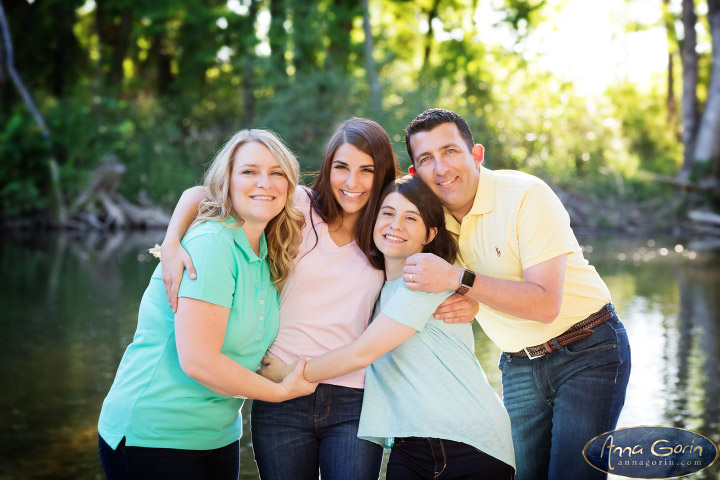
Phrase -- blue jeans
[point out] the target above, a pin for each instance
(414, 458)
(141, 463)
(296, 438)
(560, 401)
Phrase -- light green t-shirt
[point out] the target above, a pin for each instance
(432, 385)
(152, 402)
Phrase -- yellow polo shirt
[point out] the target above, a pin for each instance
(517, 221)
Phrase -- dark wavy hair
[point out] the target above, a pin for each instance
(430, 119)
(370, 138)
(433, 216)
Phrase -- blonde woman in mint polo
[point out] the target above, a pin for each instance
(172, 411)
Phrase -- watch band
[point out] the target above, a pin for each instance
(466, 282)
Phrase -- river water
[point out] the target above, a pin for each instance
(68, 306)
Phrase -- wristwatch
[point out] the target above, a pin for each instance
(466, 282)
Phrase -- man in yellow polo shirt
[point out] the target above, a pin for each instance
(566, 357)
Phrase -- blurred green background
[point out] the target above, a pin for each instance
(587, 95)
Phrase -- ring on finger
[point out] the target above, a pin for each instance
(411, 278)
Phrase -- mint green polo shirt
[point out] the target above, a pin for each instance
(152, 402)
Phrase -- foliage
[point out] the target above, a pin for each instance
(23, 166)
(160, 85)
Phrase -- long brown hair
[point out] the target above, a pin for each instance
(433, 216)
(371, 139)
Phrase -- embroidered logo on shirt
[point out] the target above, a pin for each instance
(497, 250)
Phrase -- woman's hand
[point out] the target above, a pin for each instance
(294, 384)
(174, 259)
(274, 369)
(457, 309)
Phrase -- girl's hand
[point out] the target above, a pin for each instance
(173, 261)
(294, 384)
(457, 309)
(274, 369)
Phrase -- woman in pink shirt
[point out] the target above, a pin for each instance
(325, 303)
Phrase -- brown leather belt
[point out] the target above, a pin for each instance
(580, 330)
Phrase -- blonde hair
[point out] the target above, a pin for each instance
(283, 233)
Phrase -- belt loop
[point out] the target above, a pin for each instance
(555, 343)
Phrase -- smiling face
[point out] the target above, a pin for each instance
(351, 179)
(444, 163)
(258, 185)
(399, 229)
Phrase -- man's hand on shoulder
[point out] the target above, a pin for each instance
(429, 273)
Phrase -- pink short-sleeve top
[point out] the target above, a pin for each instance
(328, 298)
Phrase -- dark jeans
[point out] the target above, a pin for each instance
(560, 401)
(415, 458)
(140, 463)
(294, 439)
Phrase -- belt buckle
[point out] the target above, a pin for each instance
(531, 357)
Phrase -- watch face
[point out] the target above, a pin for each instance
(468, 278)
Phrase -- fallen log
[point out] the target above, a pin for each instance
(710, 185)
(707, 218)
(99, 206)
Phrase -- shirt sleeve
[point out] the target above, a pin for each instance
(217, 274)
(413, 308)
(543, 227)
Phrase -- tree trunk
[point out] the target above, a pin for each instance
(304, 36)
(707, 146)
(120, 49)
(338, 34)
(370, 67)
(278, 37)
(160, 61)
(64, 50)
(248, 71)
(432, 15)
(114, 39)
(690, 80)
(670, 103)
(17, 81)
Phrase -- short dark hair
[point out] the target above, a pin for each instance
(430, 119)
(433, 216)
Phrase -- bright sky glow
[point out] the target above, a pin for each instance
(238, 7)
(588, 43)
(263, 27)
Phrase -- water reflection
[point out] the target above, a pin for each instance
(69, 307)
(666, 293)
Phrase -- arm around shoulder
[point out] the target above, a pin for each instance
(174, 258)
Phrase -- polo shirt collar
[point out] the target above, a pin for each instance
(484, 199)
(242, 241)
(485, 195)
